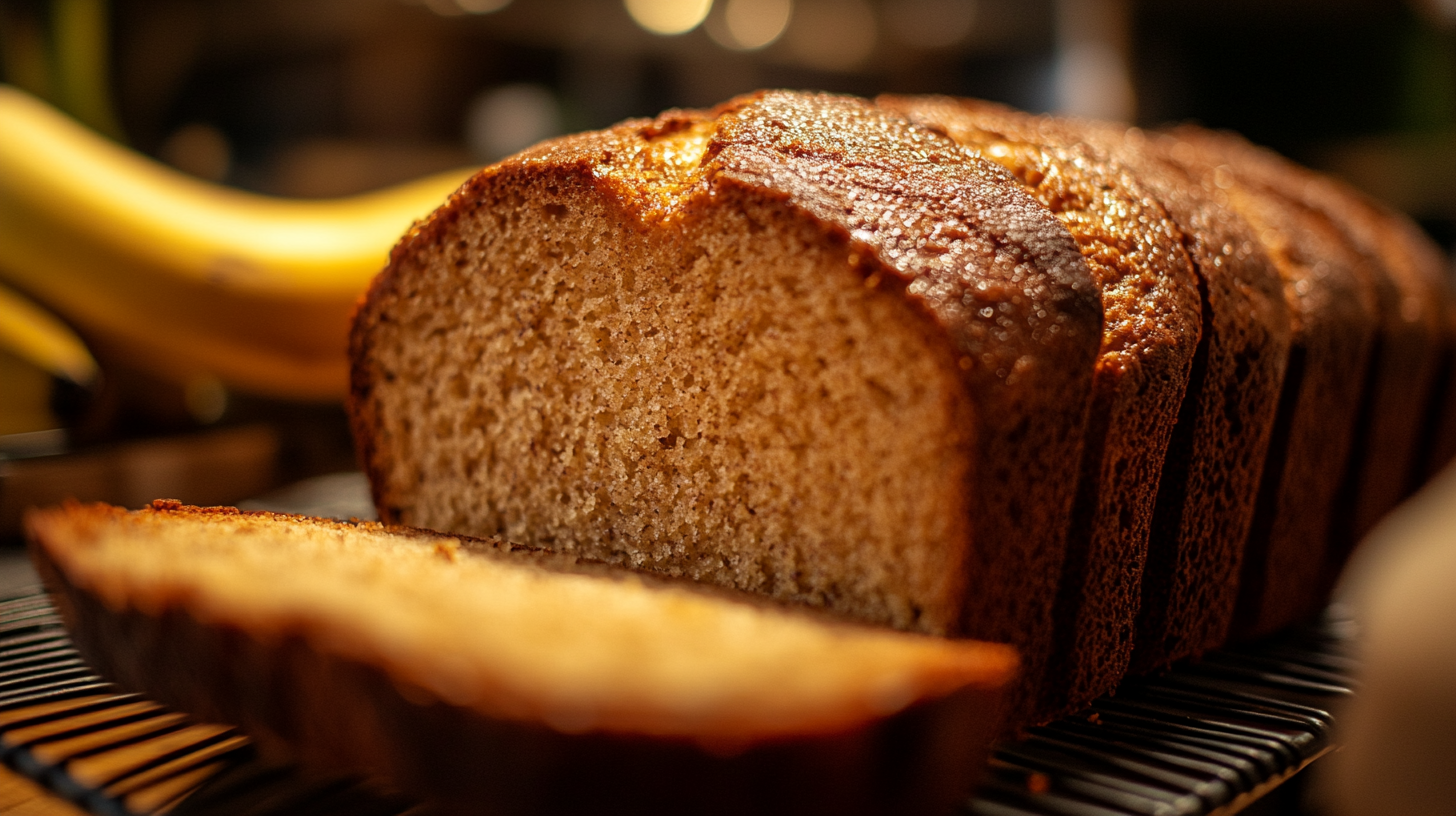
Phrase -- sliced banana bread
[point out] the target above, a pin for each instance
(1210, 480)
(464, 673)
(1409, 279)
(1328, 285)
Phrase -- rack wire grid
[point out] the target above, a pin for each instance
(1207, 738)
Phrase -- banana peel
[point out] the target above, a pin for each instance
(36, 348)
(31, 334)
(185, 279)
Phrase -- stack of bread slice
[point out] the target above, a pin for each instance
(1110, 396)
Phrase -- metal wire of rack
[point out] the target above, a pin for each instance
(1206, 739)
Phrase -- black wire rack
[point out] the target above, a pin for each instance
(1206, 738)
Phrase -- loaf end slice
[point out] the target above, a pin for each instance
(459, 672)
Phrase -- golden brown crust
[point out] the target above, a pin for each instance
(1151, 306)
(300, 692)
(955, 238)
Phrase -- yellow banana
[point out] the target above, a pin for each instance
(34, 347)
(31, 334)
(184, 278)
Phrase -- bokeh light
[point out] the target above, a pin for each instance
(200, 150)
(668, 17)
(1092, 81)
(456, 8)
(508, 118)
(832, 35)
(751, 24)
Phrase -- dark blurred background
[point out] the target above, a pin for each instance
(325, 97)
(317, 98)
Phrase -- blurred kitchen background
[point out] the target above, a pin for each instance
(327, 97)
(318, 98)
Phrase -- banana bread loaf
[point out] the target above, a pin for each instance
(1151, 324)
(474, 677)
(830, 352)
(794, 345)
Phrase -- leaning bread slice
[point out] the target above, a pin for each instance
(462, 672)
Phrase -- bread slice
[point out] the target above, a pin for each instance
(1151, 325)
(1211, 476)
(1409, 279)
(1328, 285)
(473, 676)
(794, 345)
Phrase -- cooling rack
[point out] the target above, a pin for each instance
(1206, 738)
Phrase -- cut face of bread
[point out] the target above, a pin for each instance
(662, 397)
(795, 346)
(338, 644)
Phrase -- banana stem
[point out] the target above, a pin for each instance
(23, 58)
(83, 56)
